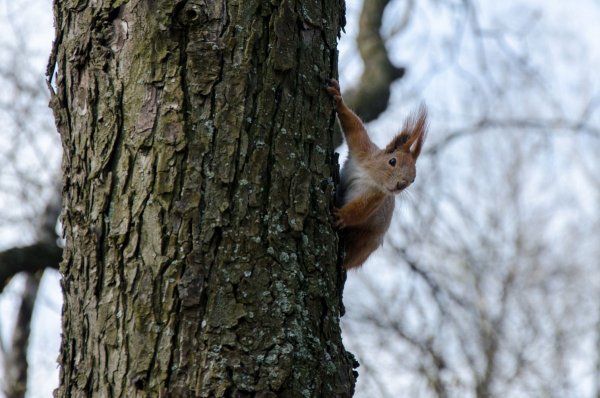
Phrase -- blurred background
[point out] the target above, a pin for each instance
(488, 283)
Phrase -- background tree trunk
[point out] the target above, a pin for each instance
(200, 257)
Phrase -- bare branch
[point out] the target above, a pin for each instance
(534, 125)
(15, 364)
(28, 259)
(371, 96)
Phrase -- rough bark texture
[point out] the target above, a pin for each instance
(200, 257)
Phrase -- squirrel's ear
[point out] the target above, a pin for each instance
(398, 142)
(416, 127)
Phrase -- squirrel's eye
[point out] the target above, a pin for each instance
(392, 162)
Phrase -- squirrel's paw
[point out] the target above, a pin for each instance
(333, 88)
(339, 218)
(334, 84)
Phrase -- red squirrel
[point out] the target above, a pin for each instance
(371, 177)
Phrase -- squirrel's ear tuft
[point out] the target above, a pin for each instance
(397, 143)
(416, 129)
(413, 134)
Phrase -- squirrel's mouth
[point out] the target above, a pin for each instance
(398, 188)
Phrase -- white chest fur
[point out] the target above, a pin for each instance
(355, 181)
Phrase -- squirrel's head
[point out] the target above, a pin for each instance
(394, 167)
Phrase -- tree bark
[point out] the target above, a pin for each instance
(199, 170)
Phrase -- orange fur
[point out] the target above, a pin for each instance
(371, 177)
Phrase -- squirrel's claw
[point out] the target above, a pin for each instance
(335, 84)
(339, 219)
(333, 88)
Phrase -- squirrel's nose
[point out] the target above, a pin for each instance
(402, 184)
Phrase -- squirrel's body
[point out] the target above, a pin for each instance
(370, 178)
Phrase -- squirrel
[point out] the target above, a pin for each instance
(371, 177)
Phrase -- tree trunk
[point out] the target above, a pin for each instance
(200, 257)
